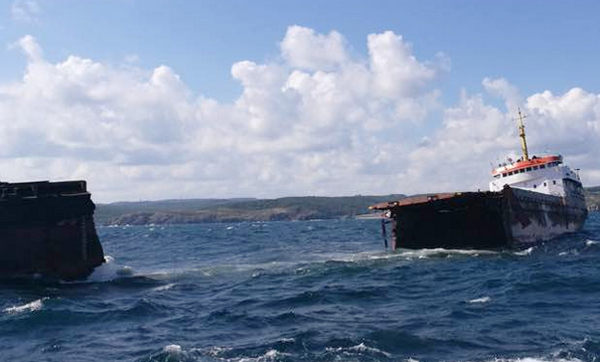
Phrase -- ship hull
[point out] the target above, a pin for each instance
(483, 220)
(48, 229)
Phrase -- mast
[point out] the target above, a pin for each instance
(522, 135)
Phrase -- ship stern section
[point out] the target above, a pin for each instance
(47, 228)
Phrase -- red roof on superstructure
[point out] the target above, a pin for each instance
(535, 161)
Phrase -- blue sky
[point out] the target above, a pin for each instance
(537, 45)
(531, 46)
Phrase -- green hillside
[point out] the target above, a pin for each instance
(233, 210)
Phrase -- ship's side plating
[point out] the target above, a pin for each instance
(48, 228)
(484, 220)
(534, 216)
(462, 220)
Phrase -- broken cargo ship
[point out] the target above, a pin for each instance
(47, 228)
(530, 200)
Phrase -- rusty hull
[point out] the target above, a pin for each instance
(47, 228)
(482, 220)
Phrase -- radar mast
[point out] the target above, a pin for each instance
(522, 135)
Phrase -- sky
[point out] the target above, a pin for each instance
(163, 99)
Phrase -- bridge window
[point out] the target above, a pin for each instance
(528, 168)
(542, 166)
(535, 167)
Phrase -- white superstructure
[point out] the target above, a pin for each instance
(546, 174)
(540, 174)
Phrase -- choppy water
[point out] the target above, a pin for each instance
(309, 291)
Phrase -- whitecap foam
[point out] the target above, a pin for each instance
(253, 270)
(109, 271)
(163, 288)
(173, 352)
(364, 348)
(213, 351)
(359, 348)
(270, 355)
(480, 300)
(525, 252)
(537, 359)
(173, 349)
(591, 242)
(438, 252)
(29, 307)
(569, 252)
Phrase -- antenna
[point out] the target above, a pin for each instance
(522, 135)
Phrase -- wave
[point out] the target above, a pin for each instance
(29, 307)
(295, 349)
(480, 300)
(309, 264)
(441, 252)
(109, 271)
(525, 252)
(165, 287)
(171, 353)
(536, 359)
(175, 353)
(360, 348)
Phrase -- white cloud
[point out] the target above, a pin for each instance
(568, 123)
(502, 88)
(474, 134)
(315, 122)
(396, 71)
(303, 48)
(30, 48)
(25, 10)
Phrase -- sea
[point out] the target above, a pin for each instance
(323, 290)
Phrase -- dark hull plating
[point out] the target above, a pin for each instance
(47, 228)
(483, 220)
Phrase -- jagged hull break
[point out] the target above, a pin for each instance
(47, 228)
(482, 220)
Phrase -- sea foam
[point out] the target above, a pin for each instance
(480, 300)
(109, 271)
(360, 348)
(29, 307)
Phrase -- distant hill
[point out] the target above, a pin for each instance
(234, 210)
(106, 212)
